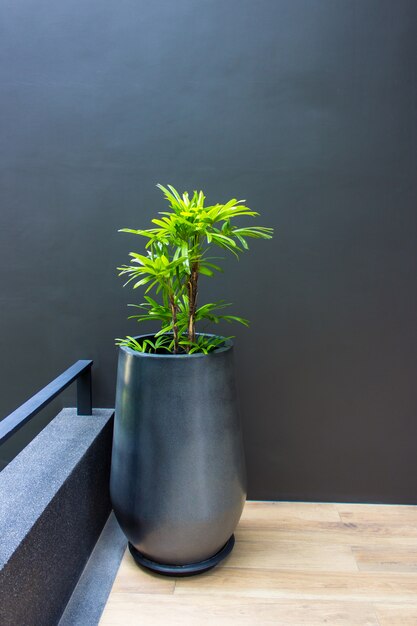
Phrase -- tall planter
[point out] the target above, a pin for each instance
(178, 481)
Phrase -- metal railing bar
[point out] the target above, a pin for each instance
(81, 370)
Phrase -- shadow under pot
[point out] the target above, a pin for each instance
(178, 481)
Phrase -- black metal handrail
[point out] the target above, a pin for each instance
(80, 371)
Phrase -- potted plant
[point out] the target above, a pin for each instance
(178, 470)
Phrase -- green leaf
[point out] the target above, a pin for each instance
(205, 270)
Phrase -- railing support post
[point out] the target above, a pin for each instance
(84, 393)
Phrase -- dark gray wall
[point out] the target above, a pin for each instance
(306, 108)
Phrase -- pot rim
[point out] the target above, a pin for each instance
(228, 345)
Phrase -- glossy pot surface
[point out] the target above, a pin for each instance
(178, 482)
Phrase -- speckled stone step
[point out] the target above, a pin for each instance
(54, 502)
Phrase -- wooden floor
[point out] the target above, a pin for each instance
(293, 564)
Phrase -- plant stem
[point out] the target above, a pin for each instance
(192, 300)
(173, 307)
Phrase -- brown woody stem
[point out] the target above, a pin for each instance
(192, 301)
(174, 322)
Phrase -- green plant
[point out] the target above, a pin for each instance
(178, 252)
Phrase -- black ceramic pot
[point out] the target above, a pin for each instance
(178, 482)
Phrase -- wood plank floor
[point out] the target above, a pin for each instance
(295, 564)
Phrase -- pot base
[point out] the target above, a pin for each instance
(183, 570)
